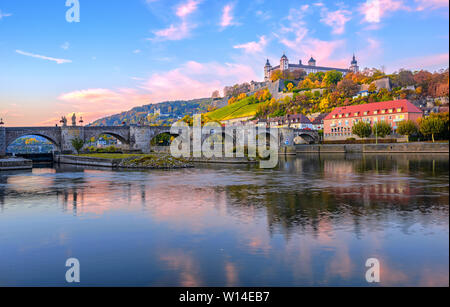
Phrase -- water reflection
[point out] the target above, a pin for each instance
(312, 221)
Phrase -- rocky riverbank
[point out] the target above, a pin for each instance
(160, 161)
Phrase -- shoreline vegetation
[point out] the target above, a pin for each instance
(160, 160)
(134, 161)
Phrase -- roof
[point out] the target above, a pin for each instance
(318, 67)
(300, 117)
(319, 119)
(311, 60)
(297, 118)
(405, 105)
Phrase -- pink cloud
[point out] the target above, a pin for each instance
(174, 32)
(187, 8)
(374, 10)
(182, 29)
(431, 4)
(336, 20)
(227, 16)
(429, 62)
(253, 47)
(189, 81)
(296, 36)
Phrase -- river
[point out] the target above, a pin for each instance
(312, 221)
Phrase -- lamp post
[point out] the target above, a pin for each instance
(1, 122)
(376, 133)
(81, 121)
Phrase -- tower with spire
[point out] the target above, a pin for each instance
(267, 70)
(354, 65)
(284, 63)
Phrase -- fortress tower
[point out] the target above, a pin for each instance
(354, 65)
(267, 70)
(284, 63)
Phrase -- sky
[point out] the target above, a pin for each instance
(126, 53)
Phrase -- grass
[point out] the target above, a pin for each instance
(111, 156)
(236, 110)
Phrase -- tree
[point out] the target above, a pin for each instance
(348, 88)
(276, 75)
(382, 129)
(405, 78)
(408, 128)
(431, 126)
(372, 88)
(215, 95)
(77, 143)
(290, 86)
(332, 77)
(362, 129)
(297, 74)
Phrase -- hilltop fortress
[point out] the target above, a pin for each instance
(310, 68)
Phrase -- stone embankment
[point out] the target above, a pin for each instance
(375, 148)
(13, 163)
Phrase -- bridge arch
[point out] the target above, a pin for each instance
(308, 138)
(51, 134)
(120, 133)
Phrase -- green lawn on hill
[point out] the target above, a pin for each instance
(242, 108)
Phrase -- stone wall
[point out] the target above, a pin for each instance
(376, 148)
(15, 164)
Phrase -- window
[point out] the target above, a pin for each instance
(375, 112)
(334, 116)
(399, 109)
(391, 110)
(383, 111)
(357, 113)
(346, 122)
(365, 113)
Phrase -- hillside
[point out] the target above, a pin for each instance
(243, 108)
(170, 111)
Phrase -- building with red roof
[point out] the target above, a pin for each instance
(339, 123)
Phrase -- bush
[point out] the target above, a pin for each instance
(431, 126)
(77, 143)
(382, 129)
(362, 129)
(408, 128)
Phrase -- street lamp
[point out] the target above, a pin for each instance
(1, 122)
(376, 133)
(81, 121)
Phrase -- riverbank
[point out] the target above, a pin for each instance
(13, 163)
(130, 161)
(375, 148)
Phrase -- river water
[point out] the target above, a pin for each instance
(312, 221)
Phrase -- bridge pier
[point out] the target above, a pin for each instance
(140, 138)
(68, 134)
(2, 141)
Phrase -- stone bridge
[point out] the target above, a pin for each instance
(136, 137)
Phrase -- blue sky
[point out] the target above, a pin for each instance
(127, 53)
